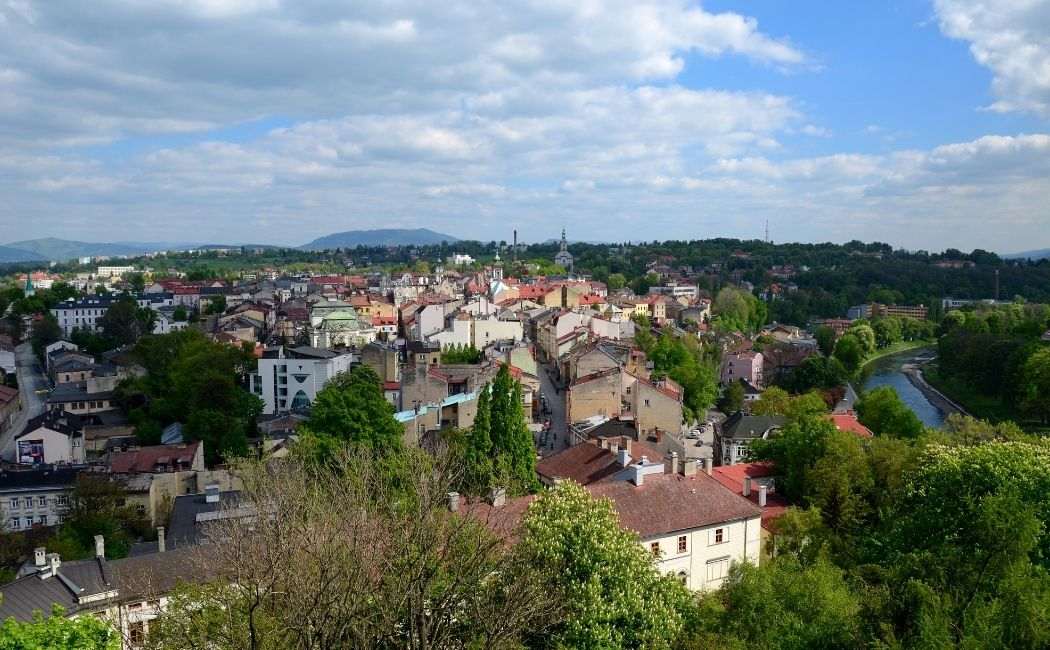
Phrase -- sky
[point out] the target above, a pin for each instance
(921, 123)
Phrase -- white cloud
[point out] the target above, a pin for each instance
(1012, 39)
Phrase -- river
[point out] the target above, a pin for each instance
(888, 371)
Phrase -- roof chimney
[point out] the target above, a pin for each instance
(638, 474)
(689, 467)
(453, 501)
(762, 496)
(747, 486)
(161, 545)
(211, 493)
(100, 546)
(623, 456)
(709, 466)
(498, 497)
(625, 443)
(55, 562)
(39, 557)
(671, 463)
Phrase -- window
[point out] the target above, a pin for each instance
(42, 520)
(137, 633)
(654, 548)
(14, 503)
(28, 502)
(647, 402)
(717, 569)
(15, 521)
(63, 499)
(719, 536)
(29, 522)
(683, 544)
(42, 502)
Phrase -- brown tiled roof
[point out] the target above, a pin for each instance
(8, 394)
(665, 503)
(588, 462)
(146, 459)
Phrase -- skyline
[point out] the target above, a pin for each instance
(923, 125)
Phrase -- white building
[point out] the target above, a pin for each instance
(288, 379)
(461, 258)
(36, 497)
(113, 271)
(478, 332)
(83, 313)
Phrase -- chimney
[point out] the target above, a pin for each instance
(453, 501)
(689, 468)
(625, 443)
(39, 557)
(762, 496)
(498, 497)
(638, 475)
(55, 562)
(747, 486)
(671, 463)
(211, 493)
(709, 466)
(161, 545)
(100, 546)
(623, 456)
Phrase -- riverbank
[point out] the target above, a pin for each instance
(945, 404)
(896, 348)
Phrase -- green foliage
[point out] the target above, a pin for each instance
(615, 281)
(777, 401)
(125, 322)
(783, 604)
(850, 352)
(216, 305)
(737, 310)
(882, 411)
(180, 315)
(733, 398)
(192, 380)
(513, 450)
(1035, 385)
(352, 408)
(825, 337)
(57, 632)
(693, 367)
(479, 461)
(458, 353)
(45, 331)
(818, 372)
(614, 595)
(97, 507)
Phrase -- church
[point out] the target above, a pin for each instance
(564, 258)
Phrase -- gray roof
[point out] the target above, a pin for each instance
(751, 426)
(183, 527)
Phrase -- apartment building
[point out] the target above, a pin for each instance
(288, 379)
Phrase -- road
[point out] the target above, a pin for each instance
(556, 401)
(31, 378)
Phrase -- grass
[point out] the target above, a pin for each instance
(902, 346)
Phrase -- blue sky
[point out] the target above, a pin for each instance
(919, 123)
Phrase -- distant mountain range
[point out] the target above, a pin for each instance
(62, 250)
(1035, 255)
(384, 237)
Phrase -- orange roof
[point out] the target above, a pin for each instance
(849, 422)
(732, 476)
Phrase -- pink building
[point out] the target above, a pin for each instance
(742, 365)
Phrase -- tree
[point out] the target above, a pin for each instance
(773, 401)
(887, 331)
(45, 332)
(59, 633)
(98, 507)
(882, 411)
(849, 351)
(216, 305)
(478, 457)
(1035, 385)
(795, 450)
(615, 281)
(782, 604)
(865, 335)
(733, 398)
(125, 322)
(736, 309)
(352, 408)
(136, 282)
(615, 597)
(513, 449)
(825, 337)
(180, 315)
(817, 372)
(344, 559)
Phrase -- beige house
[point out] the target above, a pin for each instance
(597, 394)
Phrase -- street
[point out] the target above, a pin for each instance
(31, 378)
(557, 439)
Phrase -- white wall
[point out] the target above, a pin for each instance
(702, 559)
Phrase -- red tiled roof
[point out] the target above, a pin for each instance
(146, 459)
(848, 422)
(391, 385)
(732, 477)
(8, 394)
